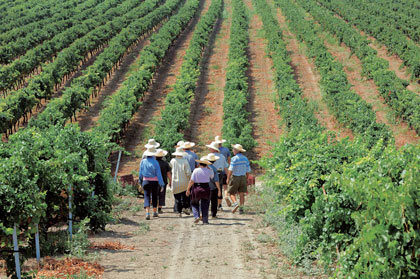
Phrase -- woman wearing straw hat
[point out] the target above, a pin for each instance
(199, 189)
(191, 156)
(165, 170)
(238, 172)
(215, 190)
(151, 178)
(221, 165)
(150, 144)
(181, 173)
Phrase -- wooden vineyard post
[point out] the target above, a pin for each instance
(16, 252)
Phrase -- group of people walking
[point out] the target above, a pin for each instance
(196, 183)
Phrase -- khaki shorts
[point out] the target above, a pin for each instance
(237, 184)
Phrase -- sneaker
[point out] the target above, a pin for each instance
(214, 217)
(235, 207)
(155, 214)
(196, 220)
(228, 202)
(160, 211)
(220, 208)
(186, 211)
(147, 216)
(206, 223)
(241, 210)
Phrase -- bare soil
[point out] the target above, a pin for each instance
(142, 124)
(232, 246)
(367, 89)
(206, 118)
(308, 79)
(264, 117)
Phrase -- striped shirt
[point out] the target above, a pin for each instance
(239, 165)
(181, 173)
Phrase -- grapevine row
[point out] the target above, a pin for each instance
(175, 117)
(390, 36)
(19, 103)
(405, 103)
(14, 74)
(236, 127)
(347, 106)
(28, 13)
(16, 43)
(288, 93)
(59, 110)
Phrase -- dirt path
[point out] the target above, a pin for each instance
(367, 89)
(232, 246)
(206, 118)
(308, 78)
(142, 124)
(264, 117)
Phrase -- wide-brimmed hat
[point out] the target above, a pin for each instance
(161, 153)
(152, 143)
(212, 157)
(214, 146)
(179, 152)
(203, 160)
(179, 144)
(150, 152)
(188, 145)
(219, 139)
(238, 147)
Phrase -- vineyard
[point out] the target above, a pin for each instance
(324, 96)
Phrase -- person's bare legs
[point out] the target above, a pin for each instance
(233, 198)
(241, 199)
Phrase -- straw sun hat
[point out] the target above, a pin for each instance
(179, 144)
(179, 152)
(219, 139)
(238, 147)
(203, 160)
(188, 145)
(150, 152)
(212, 157)
(161, 153)
(214, 146)
(152, 143)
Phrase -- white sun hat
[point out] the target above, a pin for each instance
(219, 139)
(188, 145)
(179, 152)
(238, 147)
(150, 152)
(214, 146)
(152, 143)
(203, 160)
(161, 153)
(179, 144)
(212, 157)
